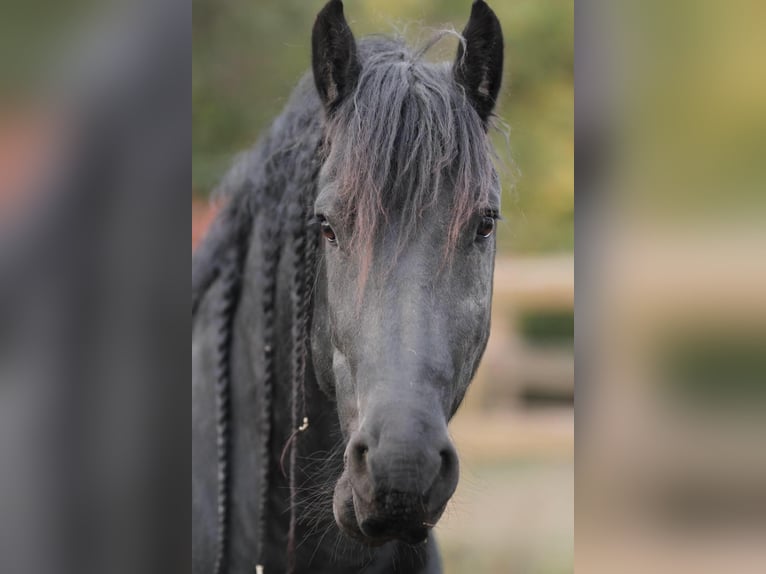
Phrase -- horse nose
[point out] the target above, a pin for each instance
(404, 476)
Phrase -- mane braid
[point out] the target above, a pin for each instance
(304, 236)
(271, 256)
(298, 367)
(230, 274)
(309, 278)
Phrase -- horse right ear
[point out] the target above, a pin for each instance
(479, 65)
(334, 58)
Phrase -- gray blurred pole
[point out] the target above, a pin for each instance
(93, 300)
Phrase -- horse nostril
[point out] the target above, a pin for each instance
(448, 460)
(358, 453)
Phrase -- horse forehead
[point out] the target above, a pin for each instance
(394, 198)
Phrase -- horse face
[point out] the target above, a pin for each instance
(399, 329)
(398, 364)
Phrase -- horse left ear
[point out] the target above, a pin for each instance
(334, 58)
(479, 65)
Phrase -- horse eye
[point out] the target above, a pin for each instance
(327, 230)
(486, 227)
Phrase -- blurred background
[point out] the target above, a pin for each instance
(514, 510)
(671, 277)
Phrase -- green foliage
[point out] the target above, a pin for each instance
(247, 56)
(547, 327)
(36, 37)
(719, 371)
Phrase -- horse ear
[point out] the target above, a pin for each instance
(334, 58)
(479, 65)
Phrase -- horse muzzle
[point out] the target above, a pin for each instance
(395, 490)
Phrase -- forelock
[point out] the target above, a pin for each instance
(408, 138)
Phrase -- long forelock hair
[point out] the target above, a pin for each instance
(407, 139)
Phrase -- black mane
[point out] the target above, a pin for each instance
(262, 180)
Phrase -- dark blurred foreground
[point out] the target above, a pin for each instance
(94, 292)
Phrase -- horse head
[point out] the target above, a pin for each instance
(407, 202)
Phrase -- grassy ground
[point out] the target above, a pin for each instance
(513, 512)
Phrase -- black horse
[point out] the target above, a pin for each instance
(341, 305)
